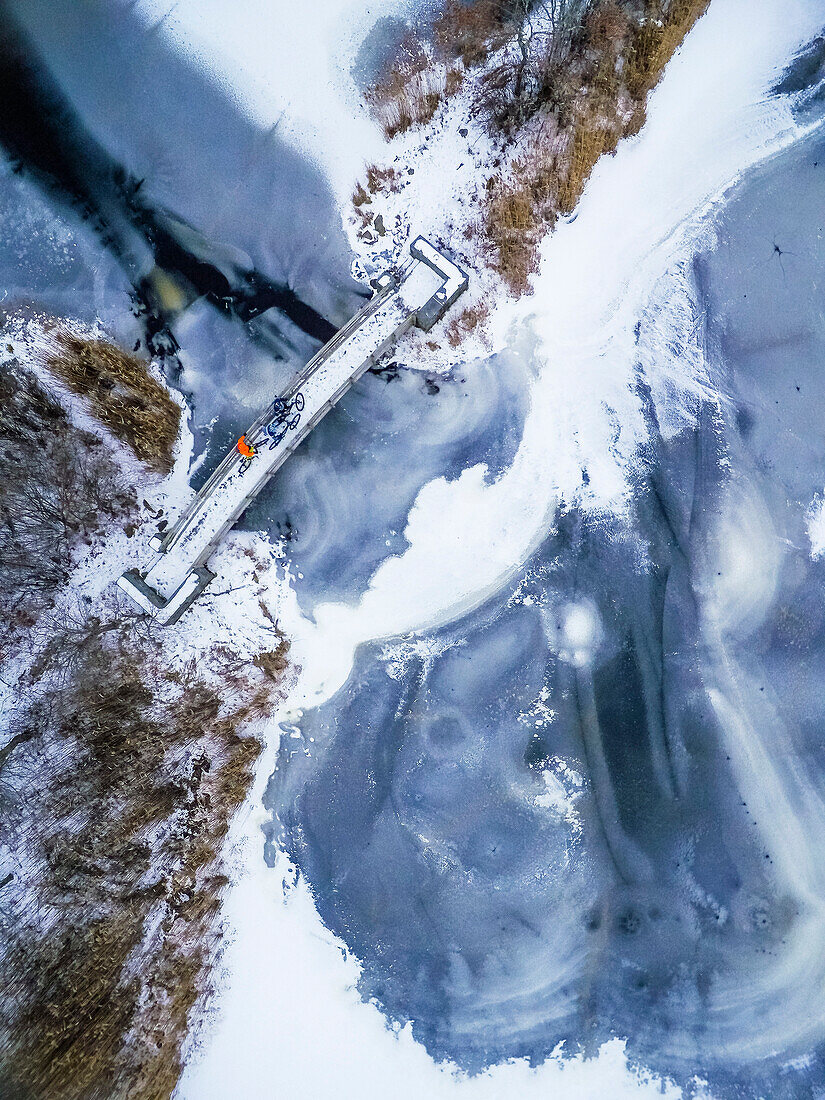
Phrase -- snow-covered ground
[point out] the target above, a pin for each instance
(290, 66)
(287, 1020)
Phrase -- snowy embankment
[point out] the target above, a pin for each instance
(287, 990)
(104, 751)
(243, 563)
(231, 614)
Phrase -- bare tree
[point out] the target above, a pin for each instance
(57, 484)
(542, 35)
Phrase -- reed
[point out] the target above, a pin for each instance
(122, 393)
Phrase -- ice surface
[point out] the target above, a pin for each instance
(617, 599)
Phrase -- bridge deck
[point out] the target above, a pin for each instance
(427, 286)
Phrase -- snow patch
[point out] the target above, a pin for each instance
(290, 66)
(815, 520)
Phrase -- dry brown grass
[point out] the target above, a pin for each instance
(122, 393)
(130, 824)
(378, 180)
(77, 1008)
(381, 179)
(470, 32)
(412, 86)
(466, 322)
(543, 184)
(587, 103)
(519, 209)
(606, 27)
(590, 142)
(655, 41)
(360, 195)
(59, 486)
(412, 103)
(422, 74)
(272, 662)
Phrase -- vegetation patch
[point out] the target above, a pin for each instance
(469, 33)
(467, 321)
(120, 773)
(123, 394)
(580, 105)
(430, 64)
(412, 86)
(138, 772)
(656, 38)
(557, 86)
(59, 486)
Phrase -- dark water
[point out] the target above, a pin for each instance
(343, 501)
(684, 911)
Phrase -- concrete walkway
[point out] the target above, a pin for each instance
(421, 292)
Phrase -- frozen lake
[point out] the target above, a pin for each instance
(579, 798)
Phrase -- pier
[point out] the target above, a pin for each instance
(419, 293)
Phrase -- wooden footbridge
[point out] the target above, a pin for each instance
(419, 293)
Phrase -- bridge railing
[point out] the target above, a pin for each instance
(233, 458)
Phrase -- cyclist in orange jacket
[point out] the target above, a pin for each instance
(246, 450)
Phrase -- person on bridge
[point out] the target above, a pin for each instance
(246, 450)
